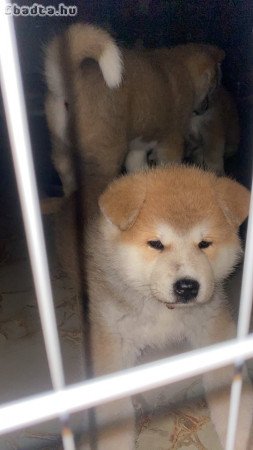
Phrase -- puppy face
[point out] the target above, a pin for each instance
(171, 233)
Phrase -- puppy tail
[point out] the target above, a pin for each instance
(83, 41)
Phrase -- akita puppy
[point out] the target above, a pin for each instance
(101, 96)
(155, 256)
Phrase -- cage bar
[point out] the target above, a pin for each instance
(242, 329)
(128, 382)
(62, 401)
(14, 103)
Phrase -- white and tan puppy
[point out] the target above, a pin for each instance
(114, 95)
(156, 256)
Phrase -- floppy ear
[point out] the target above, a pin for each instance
(234, 200)
(123, 199)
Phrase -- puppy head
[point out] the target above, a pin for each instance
(204, 63)
(171, 234)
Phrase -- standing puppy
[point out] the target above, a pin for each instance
(156, 257)
(113, 95)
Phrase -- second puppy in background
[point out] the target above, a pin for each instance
(113, 95)
(213, 135)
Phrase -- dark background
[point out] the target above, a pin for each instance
(156, 23)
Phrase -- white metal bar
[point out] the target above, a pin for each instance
(242, 328)
(129, 382)
(235, 398)
(247, 279)
(14, 103)
(135, 380)
(22, 156)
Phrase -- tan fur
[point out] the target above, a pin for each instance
(212, 136)
(132, 304)
(215, 134)
(178, 204)
(50, 205)
(155, 99)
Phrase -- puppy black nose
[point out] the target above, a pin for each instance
(186, 289)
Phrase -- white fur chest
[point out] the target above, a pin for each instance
(151, 324)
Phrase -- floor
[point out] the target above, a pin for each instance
(184, 425)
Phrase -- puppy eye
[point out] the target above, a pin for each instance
(156, 244)
(204, 244)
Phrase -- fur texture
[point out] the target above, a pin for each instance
(131, 283)
(212, 136)
(101, 97)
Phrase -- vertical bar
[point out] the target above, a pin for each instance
(247, 279)
(14, 103)
(22, 156)
(242, 329)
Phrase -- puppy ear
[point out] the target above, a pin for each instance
(217, 53)
(234, 200)
(123, 199)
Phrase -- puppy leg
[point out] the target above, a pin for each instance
(140, 155)
(218, 383)
(63, 162)
(104, 160)
(213, 155)
(114, 421)
(214, 146)
(58, 122)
